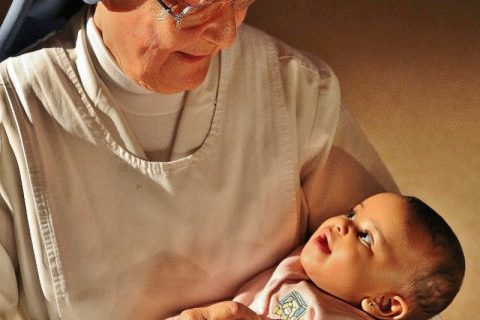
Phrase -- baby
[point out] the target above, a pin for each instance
(390, 257)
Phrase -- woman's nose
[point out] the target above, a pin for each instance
(221, 29)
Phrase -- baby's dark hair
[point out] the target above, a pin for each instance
(434, 289)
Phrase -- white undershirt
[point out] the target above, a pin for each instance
(153, 117)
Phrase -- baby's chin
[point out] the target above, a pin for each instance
(348, 298)
(357, 303)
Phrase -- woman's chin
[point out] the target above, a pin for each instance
(176, 83)
(179, 86)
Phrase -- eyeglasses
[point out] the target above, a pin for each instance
(190, 16)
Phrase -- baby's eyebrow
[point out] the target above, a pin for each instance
(379, 236)
(358, 205)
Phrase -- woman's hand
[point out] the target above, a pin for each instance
(226, 310)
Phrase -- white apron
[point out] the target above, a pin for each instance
(118, 237)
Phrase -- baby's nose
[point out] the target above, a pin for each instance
(342, 226)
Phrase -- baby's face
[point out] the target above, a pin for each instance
(369, 251)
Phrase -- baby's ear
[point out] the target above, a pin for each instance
(389, 306)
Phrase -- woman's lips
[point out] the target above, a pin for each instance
(190, 57)
(322, 242)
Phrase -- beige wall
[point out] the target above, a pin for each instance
(410, 74)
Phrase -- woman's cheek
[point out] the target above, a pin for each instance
(240, 17)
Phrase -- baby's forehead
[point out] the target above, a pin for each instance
(412, 239)
(386, 210)
(400, 228)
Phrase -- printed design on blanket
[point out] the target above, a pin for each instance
(291, 307)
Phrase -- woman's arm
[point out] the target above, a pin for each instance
(352, 172)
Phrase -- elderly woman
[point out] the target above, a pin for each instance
(154, 155)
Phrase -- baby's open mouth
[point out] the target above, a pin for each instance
(322, 243)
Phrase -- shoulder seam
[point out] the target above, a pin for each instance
(301, 61)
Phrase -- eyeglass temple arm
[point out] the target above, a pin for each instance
(168, 9)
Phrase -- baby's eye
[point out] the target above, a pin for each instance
(366, 238)
(350, 214)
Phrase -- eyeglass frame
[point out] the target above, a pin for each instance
(179, 17)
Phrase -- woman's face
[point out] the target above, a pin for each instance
(154, 52)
